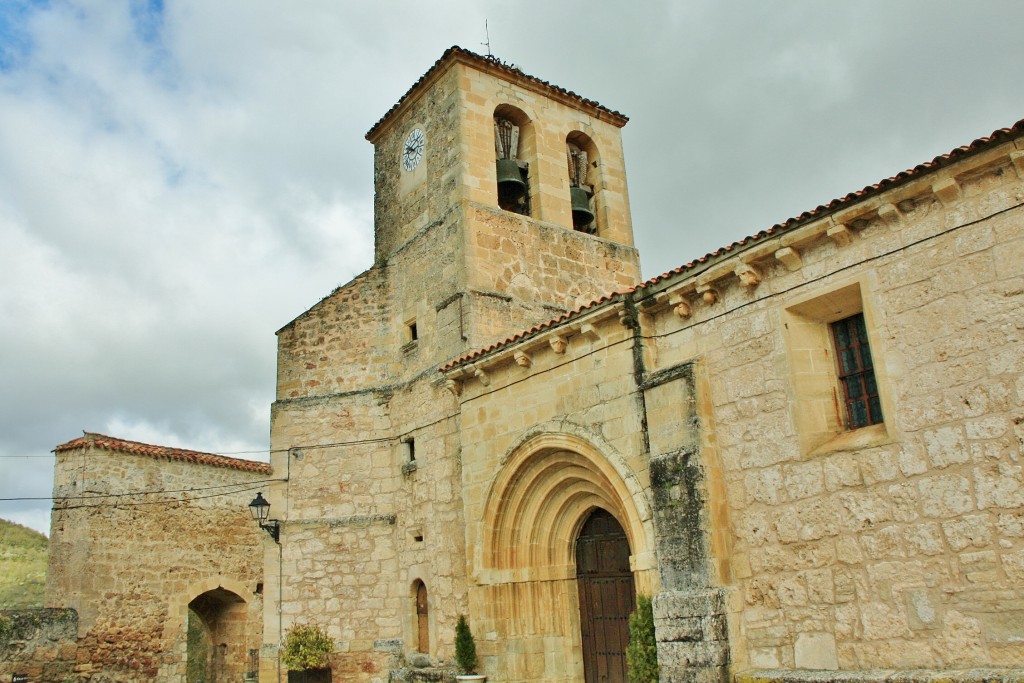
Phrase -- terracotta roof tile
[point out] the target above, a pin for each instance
(116, 445)
(995, 138)
(513, 72)
(536, 329)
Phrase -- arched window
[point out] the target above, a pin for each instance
(422, 617)
(584, 181)
(513, 147)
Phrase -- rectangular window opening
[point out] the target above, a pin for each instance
(856, 372)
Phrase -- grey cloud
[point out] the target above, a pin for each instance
(172, 193)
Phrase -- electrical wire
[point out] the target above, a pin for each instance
(118, 505)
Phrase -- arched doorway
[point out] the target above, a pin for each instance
(536, 508)
(422, 619)
(607, 597)
(216, 649)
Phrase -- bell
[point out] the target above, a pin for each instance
(511, 187)
(581, 214)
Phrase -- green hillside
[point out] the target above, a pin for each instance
(22, 566)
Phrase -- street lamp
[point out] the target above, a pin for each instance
(260, 508)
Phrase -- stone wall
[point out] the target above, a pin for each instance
(39, 644)
(341, 344)
(136, 537)
(897, 545)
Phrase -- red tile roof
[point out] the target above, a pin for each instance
(981, 144)
(116, 445)
(510, 71)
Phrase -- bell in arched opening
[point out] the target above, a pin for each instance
(579, 191)
(511, 176)
(582, 216)
(511, 186)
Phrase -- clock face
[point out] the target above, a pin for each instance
(412, 151)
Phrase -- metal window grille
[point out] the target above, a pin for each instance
(856, 372)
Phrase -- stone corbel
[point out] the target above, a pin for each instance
(1017, 159)
(453, 386)
(558, 343)
(627, 320)
(948, 191)
(523, 359)
(680, 306)
(482, 376)
(890, 214)
(708, 294)
(840, 234)
(790, 258)
(588, 330)
(749, 275)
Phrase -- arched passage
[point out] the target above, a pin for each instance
(216, 648)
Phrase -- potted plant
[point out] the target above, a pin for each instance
(642, 650)
(465, 652)
(307, 651)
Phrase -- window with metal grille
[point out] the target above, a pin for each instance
(856, 372)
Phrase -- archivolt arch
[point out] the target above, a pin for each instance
(543, 493)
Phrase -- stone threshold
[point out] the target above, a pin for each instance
(881, 676)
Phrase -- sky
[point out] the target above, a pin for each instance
(180, 179)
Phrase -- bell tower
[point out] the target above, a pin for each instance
(500, 203)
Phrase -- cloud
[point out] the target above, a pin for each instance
(179, 180)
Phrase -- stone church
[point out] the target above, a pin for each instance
(806, 446)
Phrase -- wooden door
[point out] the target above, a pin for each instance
(422, 619)
(607, 597)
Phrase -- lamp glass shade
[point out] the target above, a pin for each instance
(260, 508)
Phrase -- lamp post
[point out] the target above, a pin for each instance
(260, 509)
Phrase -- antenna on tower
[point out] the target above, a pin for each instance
(487, 33)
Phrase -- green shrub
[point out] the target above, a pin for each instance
(465, 647)
(306, 647)
(642, 651)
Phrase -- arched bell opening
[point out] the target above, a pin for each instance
(514, 148)
(216, 648)
(584, 166)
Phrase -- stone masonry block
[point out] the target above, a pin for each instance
(670, 605)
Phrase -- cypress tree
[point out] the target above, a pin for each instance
(465, 647)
